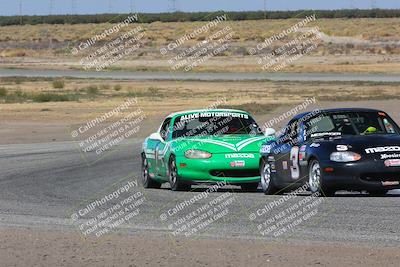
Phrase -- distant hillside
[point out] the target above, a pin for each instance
(197, 16)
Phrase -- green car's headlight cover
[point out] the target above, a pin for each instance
(345, 156)
(197, 154)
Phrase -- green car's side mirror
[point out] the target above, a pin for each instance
(269, 132)
(156, 137)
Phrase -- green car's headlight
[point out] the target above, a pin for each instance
(345, 156)
(197, 154)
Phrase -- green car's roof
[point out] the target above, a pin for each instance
(180, 113)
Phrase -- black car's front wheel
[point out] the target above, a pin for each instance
(267, 182)
(146, 180)
(174, 179)
(316, 181)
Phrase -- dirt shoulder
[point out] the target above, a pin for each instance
(22, 247)
(369, 63)
(23, 124)
(31, 110)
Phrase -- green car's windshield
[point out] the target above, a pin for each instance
(214, 123)
(351, 123)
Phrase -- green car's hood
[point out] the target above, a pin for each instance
(222, 144)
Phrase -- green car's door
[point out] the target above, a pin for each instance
(162, 149)
(150, 152)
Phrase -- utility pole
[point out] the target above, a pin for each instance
(73, 7)
(51, 7)
(173, 5)
(373, 4)
(20, 12)
(132, 6)
(265, 9)
(110, 6)
(352, 4)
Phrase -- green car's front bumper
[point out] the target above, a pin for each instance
(220, 168)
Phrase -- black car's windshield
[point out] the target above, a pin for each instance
(351, 123)
(214, 123)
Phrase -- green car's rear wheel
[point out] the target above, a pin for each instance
(174, 179)
(146, 180)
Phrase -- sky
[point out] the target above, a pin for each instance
(45, 7)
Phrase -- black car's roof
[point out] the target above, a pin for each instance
(334, 110)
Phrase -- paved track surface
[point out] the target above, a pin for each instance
(41, 185)
(123, 75)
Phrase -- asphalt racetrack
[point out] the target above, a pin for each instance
(42, 184)
(216, 76)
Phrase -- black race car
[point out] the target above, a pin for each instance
(332, 150)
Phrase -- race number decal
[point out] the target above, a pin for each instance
(294, 157)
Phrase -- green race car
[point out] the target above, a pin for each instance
(204, 146)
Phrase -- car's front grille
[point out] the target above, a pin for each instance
(235, 173)
(380, 177)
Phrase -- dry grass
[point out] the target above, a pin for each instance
(49, 46)
(253, 107)
(13, 53)
(158, 98)
(162, 33)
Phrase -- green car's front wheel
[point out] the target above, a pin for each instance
(174, 179)
(146, 180)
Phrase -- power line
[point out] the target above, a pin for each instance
(110, 6)
(73, 7)
(265, 9)
(20, 11)
(51, 7)
(173, 5)
(132, 5)
(373, 4)
(352, 4)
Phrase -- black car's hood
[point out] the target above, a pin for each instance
(373, 140)
(367, 145)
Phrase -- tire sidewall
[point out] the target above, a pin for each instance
(311, 165)
(174, 186)
(145, 180)
(270, 188)
(322, 189)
